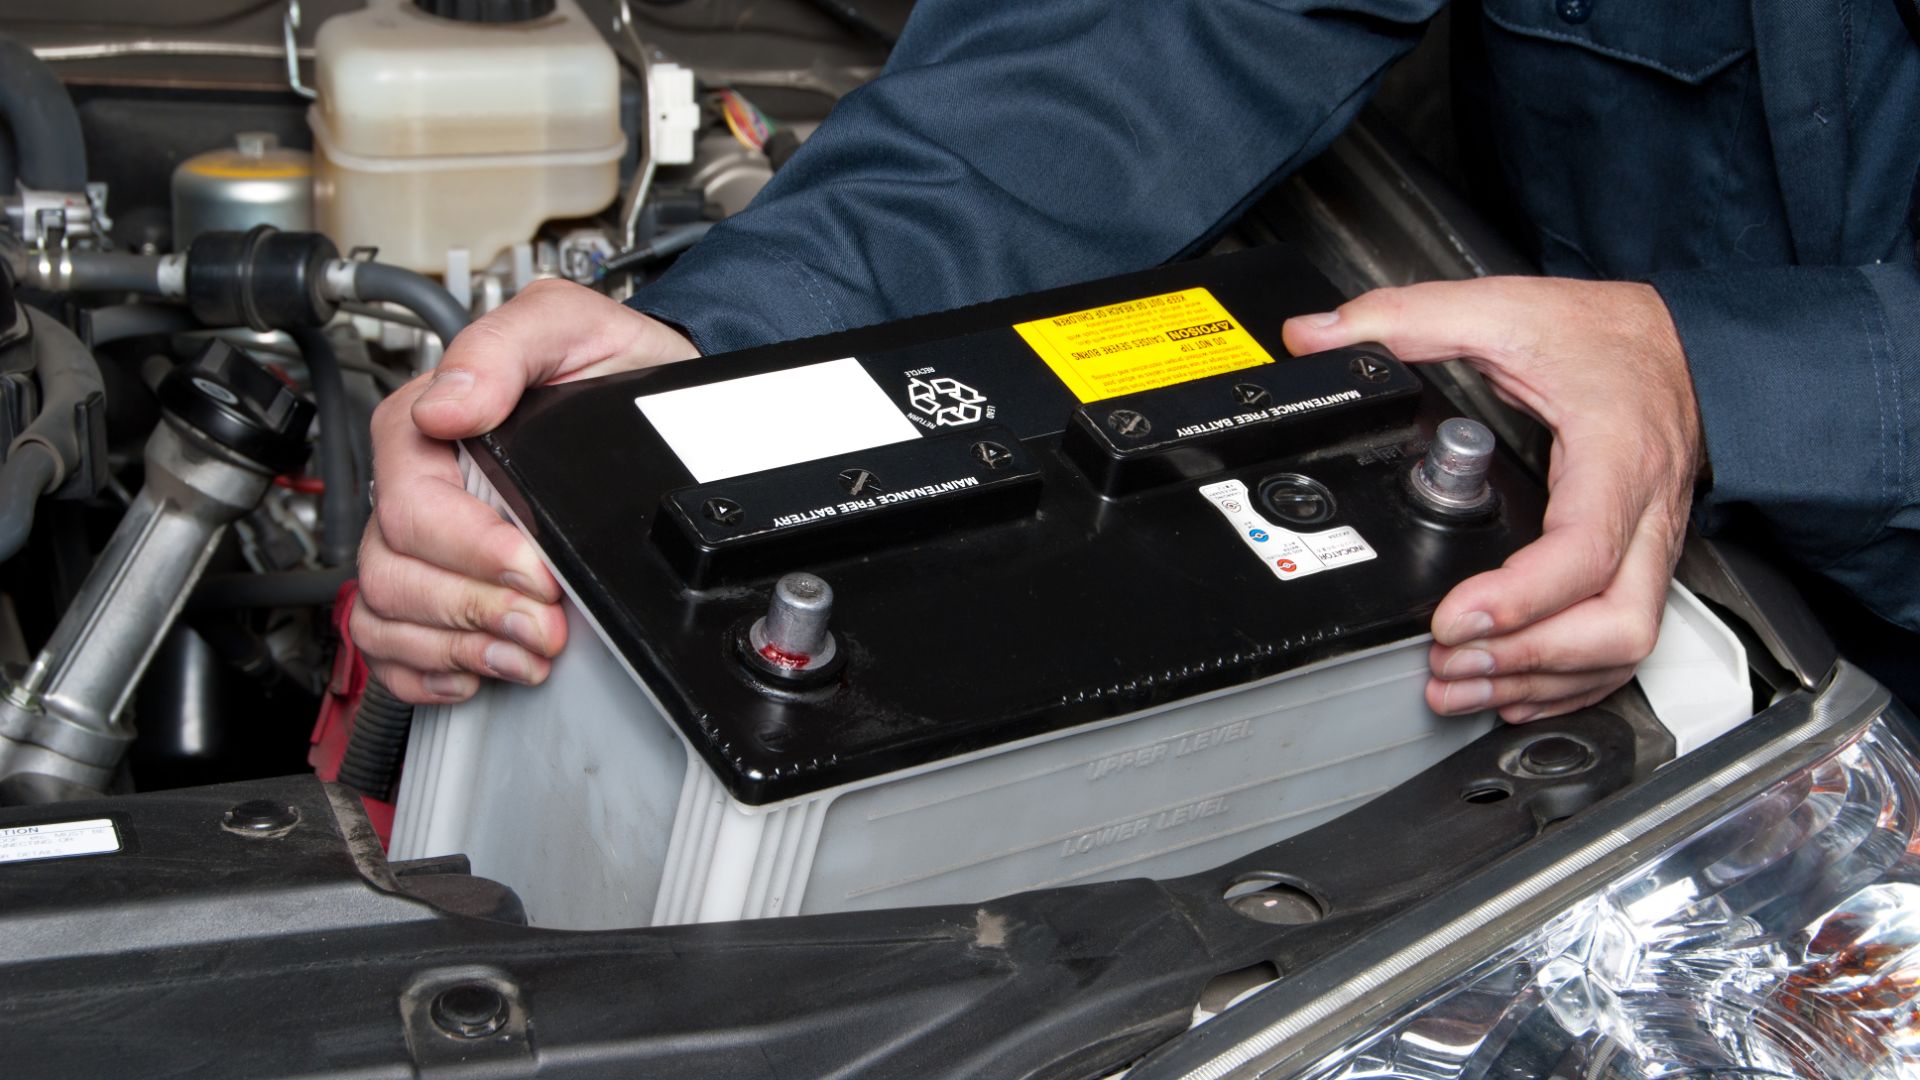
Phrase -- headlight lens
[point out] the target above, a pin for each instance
(1782, 941)
(1752, 909)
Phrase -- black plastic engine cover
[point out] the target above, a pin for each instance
(1035, 561)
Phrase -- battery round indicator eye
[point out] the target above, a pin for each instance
(1293, 499)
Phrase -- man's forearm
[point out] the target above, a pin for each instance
(1809, 386)
(1013, 147)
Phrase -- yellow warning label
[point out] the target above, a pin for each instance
(1141, 344)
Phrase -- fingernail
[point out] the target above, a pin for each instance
(445, 684)
(519, 582)
(1321, 320)
(1520, 715)
(1467, 626)
(1468, 662)
(508, 662)
(1466, 695)
(520, 626)
(449, 385)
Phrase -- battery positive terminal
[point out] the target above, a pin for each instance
(791, 645)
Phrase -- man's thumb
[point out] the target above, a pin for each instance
(455, 406)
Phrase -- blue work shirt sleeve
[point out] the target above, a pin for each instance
(1012, 147)
(1809, 388)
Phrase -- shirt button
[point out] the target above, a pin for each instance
(1574, 11)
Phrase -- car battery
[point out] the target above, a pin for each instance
(1089, 584)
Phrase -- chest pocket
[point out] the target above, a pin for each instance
(1631, 133)
(1687, 40)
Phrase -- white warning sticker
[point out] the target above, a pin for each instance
(1288, 554)
(721, 430)
(58, 840)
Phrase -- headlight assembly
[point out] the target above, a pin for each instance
(1752, 910)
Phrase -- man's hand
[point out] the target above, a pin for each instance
(1565, 620)
(448, 590)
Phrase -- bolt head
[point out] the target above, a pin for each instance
(1279, 904)
(260, 817)
(470, 1010)
(1556, 755)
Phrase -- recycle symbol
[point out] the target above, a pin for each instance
(949, 402)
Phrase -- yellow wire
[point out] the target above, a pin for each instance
(734, 126)
(734, 109)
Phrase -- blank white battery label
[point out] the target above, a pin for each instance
(726, 429)
(1288, 554)
(58, 840)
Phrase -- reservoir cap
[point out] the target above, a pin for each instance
(228, 399)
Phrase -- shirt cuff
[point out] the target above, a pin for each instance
(728, 293)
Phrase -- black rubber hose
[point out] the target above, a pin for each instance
(48, 150)
(123, 321)
(69, 377)
(363, 395)
(27, 474)
(343, 505)
(7, 171)
(378, 742)
(235, 643)
(113, 271)
(275, 589)
(662, 246)
(423, 296)
(50, 447)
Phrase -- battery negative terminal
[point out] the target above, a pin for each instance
(1452, 478)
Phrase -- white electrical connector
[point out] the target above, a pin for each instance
(674, 114)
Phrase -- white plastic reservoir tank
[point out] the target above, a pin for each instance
(436, 131)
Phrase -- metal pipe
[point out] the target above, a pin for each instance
(63, 719)
(107, 50)
(227, 428)
(636, 200)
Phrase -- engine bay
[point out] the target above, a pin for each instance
(1001, 691)
(259, 132)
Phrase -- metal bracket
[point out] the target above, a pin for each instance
(288, 24)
